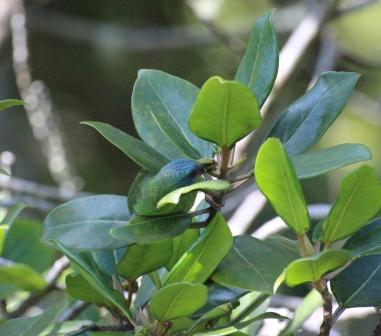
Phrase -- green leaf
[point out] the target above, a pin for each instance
(253, 264)
(310, 303)
(84, 223)
(83, 264)
(143, 259)
(3, 172)
(313, 268)
(358, 201)
(317, 163)
(367, 241)
(277, 180)
(199, 262)
(9, 103)
(23, 245)
(144, 155)
(259, 66)
(211, 185)
(3, 232)
(181, 244)
(161, 105)
(32, 326)
(304, 122)
(224, 112)
(146, 229)
(13, 213)
(20, 276)
(178, 300)
(358, 285)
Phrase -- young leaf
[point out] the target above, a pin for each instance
(313, 268)
(212, 185)
(84, 223)
(358, 285)
(9, 103)
(161, 105)
(181, 244)
(143, 259)
(320, 162)
(259, 66)
(146, 230)
(358, 201)
(144, 155)
(224, 112)
(367, 241)
(253, 264)
(304, 122)
(277, 180)
(199, 262)
(178, 300)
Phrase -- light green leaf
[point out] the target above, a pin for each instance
(305, 121)
(144, 155)
(224, 112)
(3, 232)
(84, 223)
(277, 180)
(178, 300)
(13, 213)
(146, 229)
(9, 103)
(3, 172)
(317, 163)
(32, 326)
(358, 201)
(199, 262)
(259, 66)
(313, 268)
(161, 105)
(253, 264)
(143, 259)
(181, 244)
(212, 185)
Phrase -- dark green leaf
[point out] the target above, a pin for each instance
(211, 185)
(145, 229)
(367, 241)
(224, 112)
(358, 201)
(313, 268)
(253, 264)
(359, 284)
(317, 163)
(144, 155)
(178, 300)
(304, 122)
(181, 244)
(199, 262)
(143, 259)
(84, 223)
(276, 178)
(161, 105)
(9, 103)
(259, 66)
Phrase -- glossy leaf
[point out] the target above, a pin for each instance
(211, 185)
(161, 105)
(367, 241)
(98, 281)
(10, 103)
(146, 230)
(178, 300)
(313, 268)
(84, 223)
(259, 66)
(199, 262)
(253, 264)
(181, 244)
(32, 326)
(20, 276)
(304, 122)
(358, 201)
(144, 155)
(359, 284)
(323, 161)
(276, 178)
(143, 259)
(224, 112)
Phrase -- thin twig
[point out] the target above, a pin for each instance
(326, 325)
(94, 327)
(73, 311)
(336, 315)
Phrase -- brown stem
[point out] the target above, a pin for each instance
(326, 326)
(94, 327)
(224, 162)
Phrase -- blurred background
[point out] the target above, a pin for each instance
(73, 61)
